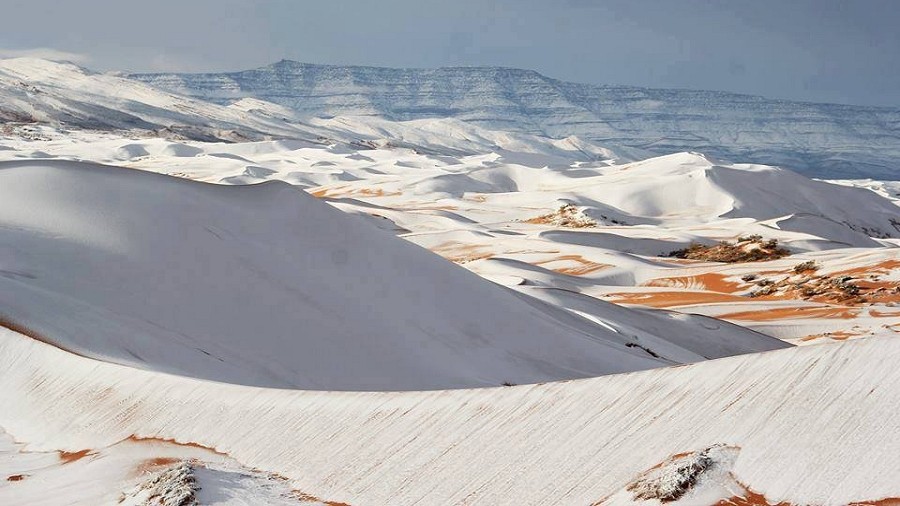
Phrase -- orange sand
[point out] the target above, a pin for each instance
(839, 335)
(710, 281)
(461, 253)
(674, 299)
(783, 313)
(69, 457)
(584, 266)
(153, 464)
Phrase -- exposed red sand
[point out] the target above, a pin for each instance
(750, 498)
(839, 335)
(16, 477)
(673, 299)
(69, 457)
(461, 253)
(711, 281)
(783, 313)
(842, 293)
(324, 192)
(884, 267)
(583, 266)
(344, 191)
(850, 287)
(138, 439)
(151, 465)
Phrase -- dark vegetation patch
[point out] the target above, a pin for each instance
(746, 249)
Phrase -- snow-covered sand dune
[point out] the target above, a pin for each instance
(498, 212)
(167, 337)
(808, 425)
(266, 285)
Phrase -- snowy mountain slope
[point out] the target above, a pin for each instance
(821, 140)
(64, 95)
(34, 90)
(808, 425)
(266, 285)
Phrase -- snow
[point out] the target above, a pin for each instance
(283, 336)
(269, 286)
(573, 442)
(475, 209)
(820, 140)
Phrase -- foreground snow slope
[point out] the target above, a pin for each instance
(809, 425)
(823, 140)
(267, 285)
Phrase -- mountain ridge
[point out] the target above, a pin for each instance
(820, 140)
(291, 62)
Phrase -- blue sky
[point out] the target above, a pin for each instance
(816, 50)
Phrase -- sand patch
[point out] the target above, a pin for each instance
(69, 457)
(673, 299)
(462, 253)
(710, 281)
(581, 265)
(344, 191)
(749, 498)
(838, 335)
(785, 313)
(154, 464)
(190, 444)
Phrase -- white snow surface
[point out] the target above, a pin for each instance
(147, 314)
(266, 285)
(820, 140)
(813, 425)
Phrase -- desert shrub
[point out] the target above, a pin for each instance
(747, 249)
(808, 266)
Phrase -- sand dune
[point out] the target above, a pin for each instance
(266, 285)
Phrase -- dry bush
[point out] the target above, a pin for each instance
(746, 249)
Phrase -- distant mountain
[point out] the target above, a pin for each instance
(820, 140)
(65, 95)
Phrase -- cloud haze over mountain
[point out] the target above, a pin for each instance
(811, 50)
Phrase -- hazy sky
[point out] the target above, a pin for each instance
(818, 50)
